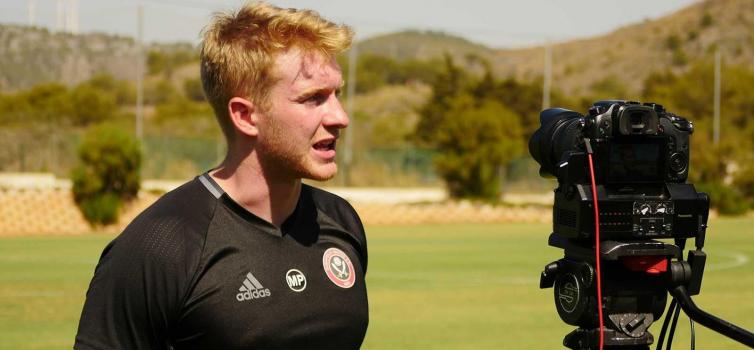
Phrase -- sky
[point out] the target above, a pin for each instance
(495, 23)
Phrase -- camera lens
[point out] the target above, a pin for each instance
(559, 132)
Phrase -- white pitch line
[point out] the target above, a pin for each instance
(738, 259)
(451, 280)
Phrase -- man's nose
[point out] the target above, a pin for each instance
(336, 116)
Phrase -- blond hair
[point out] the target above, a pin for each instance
(238, 51)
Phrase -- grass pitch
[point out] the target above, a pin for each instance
(430, 287)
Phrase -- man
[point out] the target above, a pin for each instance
(246, 256)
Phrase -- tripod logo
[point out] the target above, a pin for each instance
(568, 292)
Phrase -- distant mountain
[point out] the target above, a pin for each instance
(618, 61)
(625, 57)
(421, 45)
(31, 55)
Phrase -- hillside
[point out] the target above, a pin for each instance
(421, 45)
(30, 56)
(616, 62)
(629, 54)
(620, 60)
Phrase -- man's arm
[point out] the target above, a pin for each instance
(139, 286)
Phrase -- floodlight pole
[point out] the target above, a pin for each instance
(73, 16)
(351, 91)
(547, 78)
(32, 13)
(139, 75)
(716, 119)
(60, 19)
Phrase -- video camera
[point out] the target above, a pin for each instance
(621, 172)
(641, 157)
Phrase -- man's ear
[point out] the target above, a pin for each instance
(244, 115)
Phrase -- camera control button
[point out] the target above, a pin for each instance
(677, 162)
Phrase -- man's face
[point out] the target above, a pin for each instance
(297, 133)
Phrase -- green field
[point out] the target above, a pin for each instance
(430, 287)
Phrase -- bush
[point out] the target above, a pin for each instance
(727, 200)
(744, 181)
(706, 20)
(107, 173)
(123, 92)
(48, 103)
(160, 91)
(673, 42)
(101, 209)
(92, 105)
(193, 90)
(679, 57)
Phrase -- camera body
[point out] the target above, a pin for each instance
(641, 156)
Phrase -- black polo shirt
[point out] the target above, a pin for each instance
(197, 271)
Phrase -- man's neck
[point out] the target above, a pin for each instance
(268, 197)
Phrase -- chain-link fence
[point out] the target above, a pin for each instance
(47, 149)
(52, 150)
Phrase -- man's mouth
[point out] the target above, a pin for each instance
(325, 145)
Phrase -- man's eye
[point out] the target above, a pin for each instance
(316, 99)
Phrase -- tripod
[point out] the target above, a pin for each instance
(637, 278)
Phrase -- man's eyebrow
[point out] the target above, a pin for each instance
(315, 89)
(310, 91)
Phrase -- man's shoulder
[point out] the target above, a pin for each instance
(183, 214)
(336, 208)
(322, 195)
(190, 201)
(343, 215)
(188, 195)
(329, 202)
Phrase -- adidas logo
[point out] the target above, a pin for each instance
(252, 289)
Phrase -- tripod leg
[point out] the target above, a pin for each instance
(710, 321)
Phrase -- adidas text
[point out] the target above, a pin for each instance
(252, 289)
(255, 294)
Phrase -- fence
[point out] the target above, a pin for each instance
(46, 148)
(52, 150)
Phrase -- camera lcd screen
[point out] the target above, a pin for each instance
(639, 160)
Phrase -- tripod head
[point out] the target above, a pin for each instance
(637, 277)
(635, 274)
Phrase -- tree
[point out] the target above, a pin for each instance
(474, 145)
(193, 90)
(165, 62)
(123, 92)
(474, 133)
(376, 71)
(47, 103)
(525, 99)
(107, 173)
(92, 105)
(721, 169)
(448, 85)
(160, 91)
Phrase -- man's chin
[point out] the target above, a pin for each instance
(323, 173)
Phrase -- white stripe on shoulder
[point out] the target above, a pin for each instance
(217, 192)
